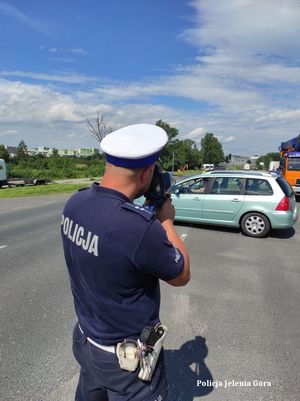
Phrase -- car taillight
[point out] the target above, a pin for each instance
(284, 204)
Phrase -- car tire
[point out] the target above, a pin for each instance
(255, 225)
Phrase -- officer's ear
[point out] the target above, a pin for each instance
(147, 173)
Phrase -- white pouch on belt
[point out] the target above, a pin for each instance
(127, 354)
(148, 362)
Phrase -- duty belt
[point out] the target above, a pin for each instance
(107, 348)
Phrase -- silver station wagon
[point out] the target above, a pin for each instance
(252, 200)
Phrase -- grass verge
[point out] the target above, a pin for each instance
(39, 190)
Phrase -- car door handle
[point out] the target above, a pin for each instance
(235, 200)
(197, 199)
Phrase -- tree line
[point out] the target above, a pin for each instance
(53, 167)
(185, 154)
(177, 155)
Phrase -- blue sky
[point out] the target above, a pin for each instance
(228, 67)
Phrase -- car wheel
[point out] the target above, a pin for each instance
(255, 225)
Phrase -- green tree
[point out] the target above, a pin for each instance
(177, 153)
(186, 154)
(266, 160)
(171, 131)
(4, 153)
(55, 153)
(211, 149)
(194, 158)
(22, 150)
(168, 152)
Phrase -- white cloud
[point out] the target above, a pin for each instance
(198, 87)
(78, 51)
(39, 104)
(64, 50)
(243, 84)
(267, 27)
(9, 132)
(70, 78)
(247, 72)
(196, 134)
(38, 109)
(19, 15)
(247, 58)
(280, 115)
(229, 139)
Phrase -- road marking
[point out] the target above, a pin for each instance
(183, 237)
(3, 246)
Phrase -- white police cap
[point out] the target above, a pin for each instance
(134, 146)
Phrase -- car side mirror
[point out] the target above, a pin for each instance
(177, 191)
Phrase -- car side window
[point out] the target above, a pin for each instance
(182, 188)
(227, 186)
(199, 186)
(255, 186)
(196, 185)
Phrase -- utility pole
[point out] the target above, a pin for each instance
(173, 162)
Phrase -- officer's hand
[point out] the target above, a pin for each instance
(166, 211)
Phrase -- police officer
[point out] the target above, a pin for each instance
(116, 253)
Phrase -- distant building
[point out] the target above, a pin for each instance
(40, 150)
(43, 150)
(84, 152)
(12, 150)
(46, 151)
(32, 151)
(238, 160)
(253, 159)
(72, 152)
(62, 152)
(67, 152)
(81, 152)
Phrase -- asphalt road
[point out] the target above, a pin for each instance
(233, 330)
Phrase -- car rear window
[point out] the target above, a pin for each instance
(227, 186)
(255, 186)
(285, 186)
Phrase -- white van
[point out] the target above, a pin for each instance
(208, 167)
(2, 173)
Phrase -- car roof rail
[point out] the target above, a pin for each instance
(244, 172)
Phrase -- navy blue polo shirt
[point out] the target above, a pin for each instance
(116, 252)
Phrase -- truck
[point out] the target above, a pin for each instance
(289, 164)
(17, 182)
(3, 178)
